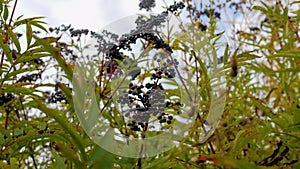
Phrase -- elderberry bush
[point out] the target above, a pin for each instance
(143, 100)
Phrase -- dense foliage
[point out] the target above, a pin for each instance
(260, 124)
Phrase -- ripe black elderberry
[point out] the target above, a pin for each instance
(5, 98)
(30, 78)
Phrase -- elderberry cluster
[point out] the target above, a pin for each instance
(73, 32)
(165, 118)
(30, 78)
(146, 4)
(137, 126)
(167, 67)
(105, 40)
(56, 96)
(146, 100)
(174, 8)
(5, 98)
(126, 41)
(124, 44)
(62, 28)
(78, 32)
(148, 24)
(143, 101)
(144, 30)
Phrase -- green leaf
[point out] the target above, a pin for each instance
(17, 89)
(6, 13)
(42, 125)
(238, 143)
(14, 38)
(264, 131)
(157, 163)
(296, 165)
(59, 161)
(13, 163)
(70, 154)
(24, 58)
(296, 117)
(2, 141)
(28, 32)
(19, 17)
(233, 163)
(101, 159)
(19, 71)
(294, 70)
(20, 22)
(246, 56)
(39, 25)
(6, 49)
(1, 7)
(18, 131)
(226, 54)
(288, 53)
(295, 2)
(33, 21)
(294, 141)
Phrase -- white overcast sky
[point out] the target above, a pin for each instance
(97, 14)
(91, 14)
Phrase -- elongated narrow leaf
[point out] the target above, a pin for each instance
(24, 59)
(14, 38)
(6, 13)
(17, 90)
(101, 158)
(6, 49)
(70, 154)
(13, 163)
(289, 53)
(28, 32)
(16, 72)
(59, 161)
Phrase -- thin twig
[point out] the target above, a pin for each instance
(181, 79)
(139, 163)
(33, 159)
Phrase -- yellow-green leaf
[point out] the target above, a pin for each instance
(14, 38)
(28, 32)
(5, 15)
